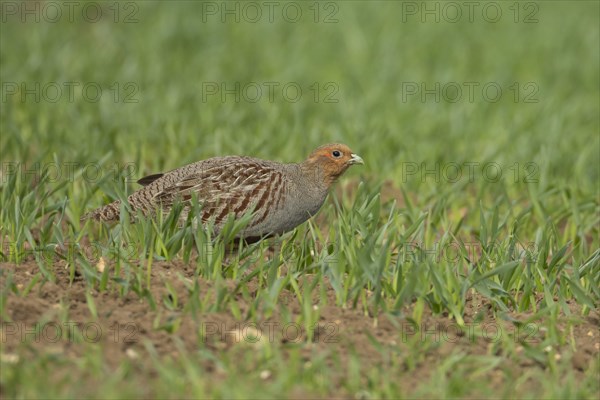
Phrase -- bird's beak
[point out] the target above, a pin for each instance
(355, 159)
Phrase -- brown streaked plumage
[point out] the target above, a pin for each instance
(279, 196)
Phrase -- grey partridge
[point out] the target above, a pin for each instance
(279, 196)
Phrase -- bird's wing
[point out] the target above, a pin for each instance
(146, 180)
(235, 187)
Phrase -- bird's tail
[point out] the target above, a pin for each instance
(109, 212)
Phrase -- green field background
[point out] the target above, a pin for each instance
(367, 51)
(163, 67)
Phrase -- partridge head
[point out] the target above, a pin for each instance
(332, 160)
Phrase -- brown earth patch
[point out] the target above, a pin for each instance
(66, 326)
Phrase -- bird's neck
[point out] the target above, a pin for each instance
(316, 175)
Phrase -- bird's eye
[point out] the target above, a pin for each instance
(336, 153)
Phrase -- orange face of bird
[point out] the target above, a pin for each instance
(334, 160)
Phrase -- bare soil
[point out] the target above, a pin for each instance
(124, 323)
